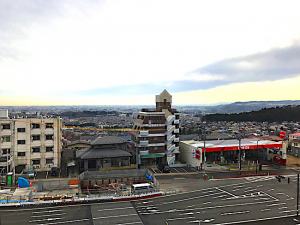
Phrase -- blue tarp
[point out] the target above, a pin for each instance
(22, 182)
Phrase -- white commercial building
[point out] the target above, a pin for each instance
(37, 143)
(222, 151)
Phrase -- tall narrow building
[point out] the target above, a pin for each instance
(156, 133)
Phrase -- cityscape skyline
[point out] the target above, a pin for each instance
(115, 53)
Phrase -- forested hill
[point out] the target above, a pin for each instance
(279, 114)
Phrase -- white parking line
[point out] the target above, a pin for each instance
(233, 213)
(129, 207)
(176, 170)
(226, 192)
(106, 217)
(185, 170)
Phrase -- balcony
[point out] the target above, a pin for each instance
(176, 131)
(144, 133)
(144, 152)
(170, 149)
(170, 139)
(170, 130)
(176, 122)
(170, 119)
(144, 143)
(176, 139)
(176, 150)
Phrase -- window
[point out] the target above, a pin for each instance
(6, 139)
(21, 154)
(35, 149)
(82, 164)
(5, 151)
(6, 126)
(49, 125)
(92, 163)
(21, 130)
(36, 162)
(49, 149)
(155, 148)
(35, 137)
(49, 137)
(49, 161)
(21, 142)
(35, 126)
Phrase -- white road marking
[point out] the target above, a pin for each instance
(188, 213)
(233, 213)
(277, 204)
(176, 170)
(204, 203)
(185, 170)
(255, 220)
(226, 192)
(182, 218)
(106, 217)
(50, 215)
(129, 207)
(47, 219)
(179, 178)
(265, 210)
(69, 221)
(130, 223)
(58, 210)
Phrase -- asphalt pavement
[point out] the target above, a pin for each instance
(247, 200)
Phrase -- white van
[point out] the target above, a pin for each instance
(141, 188)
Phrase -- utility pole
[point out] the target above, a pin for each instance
(297, 194)
(204, 148)
(240, 163)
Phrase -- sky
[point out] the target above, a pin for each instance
(114, 52)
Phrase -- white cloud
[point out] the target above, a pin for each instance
(130, 42)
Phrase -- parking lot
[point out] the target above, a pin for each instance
(174, 170)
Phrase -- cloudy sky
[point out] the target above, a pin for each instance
(125, 52)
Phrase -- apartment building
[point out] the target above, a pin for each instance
(156, 133)
(37, 143)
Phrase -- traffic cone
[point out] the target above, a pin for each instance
(181, 189)
(33, 190)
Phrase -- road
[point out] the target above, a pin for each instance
(251, 200)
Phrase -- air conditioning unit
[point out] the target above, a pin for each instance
(49, 165)
(36, 166)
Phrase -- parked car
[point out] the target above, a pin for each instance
(164, 168)
(30, 172)
(54, 171)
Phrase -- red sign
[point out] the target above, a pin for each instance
(282, 134)
(244, 147)
(197, 154)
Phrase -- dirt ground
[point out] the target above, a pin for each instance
(292, 161)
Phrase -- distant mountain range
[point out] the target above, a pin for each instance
(238, 107)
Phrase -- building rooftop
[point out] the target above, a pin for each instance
(98, 153)
(108, 140)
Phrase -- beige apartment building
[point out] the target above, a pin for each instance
(37, 143)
